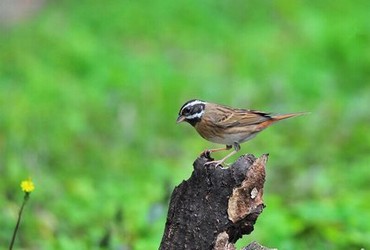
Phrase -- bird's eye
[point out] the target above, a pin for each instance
(186, 110)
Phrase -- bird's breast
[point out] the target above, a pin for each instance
(224, 136)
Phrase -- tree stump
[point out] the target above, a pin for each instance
(216, 206)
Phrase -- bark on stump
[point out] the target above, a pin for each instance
(215, 206)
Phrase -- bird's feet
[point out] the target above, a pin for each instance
(207, 153)
(216, 163)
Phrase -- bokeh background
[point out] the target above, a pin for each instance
(90, 91)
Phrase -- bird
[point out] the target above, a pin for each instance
(226, 125)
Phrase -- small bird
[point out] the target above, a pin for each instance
(225, 125)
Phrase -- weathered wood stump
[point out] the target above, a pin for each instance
(216, 206)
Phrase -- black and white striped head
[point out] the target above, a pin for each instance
(191, 112)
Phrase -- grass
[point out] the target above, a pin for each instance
(90, 93)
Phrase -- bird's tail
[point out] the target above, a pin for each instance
(286, 116)
(276, 118)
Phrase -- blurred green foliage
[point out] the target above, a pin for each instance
(90, 92)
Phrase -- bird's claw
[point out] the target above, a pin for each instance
(206, 153)
(216, 163)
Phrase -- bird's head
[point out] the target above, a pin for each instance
(191, 112)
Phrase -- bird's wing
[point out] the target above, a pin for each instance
(228, 117)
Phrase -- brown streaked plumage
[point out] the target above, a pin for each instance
(226, 125)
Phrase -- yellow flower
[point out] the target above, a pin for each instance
(27, 186)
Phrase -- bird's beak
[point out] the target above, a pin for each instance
(180, 119)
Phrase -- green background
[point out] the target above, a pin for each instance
(90, 92)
